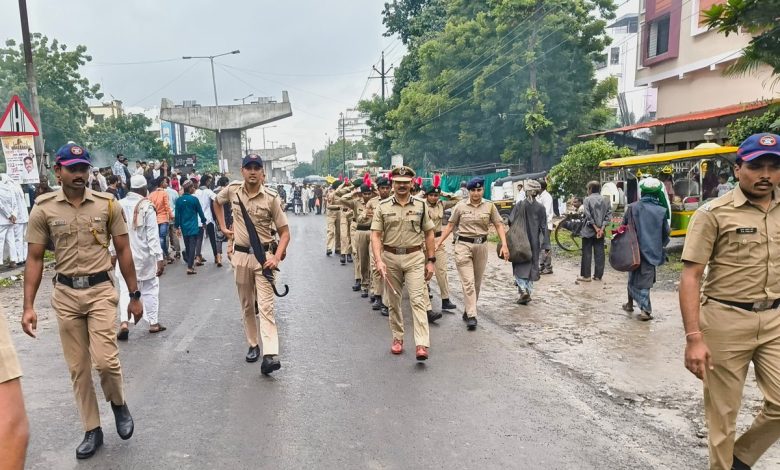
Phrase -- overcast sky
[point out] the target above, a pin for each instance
(320, 51)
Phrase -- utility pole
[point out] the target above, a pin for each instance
(32, 86)
(383, 74)
(343, 144)
(243, 102)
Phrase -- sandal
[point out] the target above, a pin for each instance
(156, 328)
(124, 332)
(191, 271)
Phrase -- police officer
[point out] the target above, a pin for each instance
(384, 189)
(472, 218)
(436, 208)
(347, 214)
(80, 223)
(264, 207)
(333, 221)
(356, 200)
(14, 428)
(735, 320)
(400, 226)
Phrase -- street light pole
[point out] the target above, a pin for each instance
(263, 129)
(216, 99)
(243, 102)
(343, 144)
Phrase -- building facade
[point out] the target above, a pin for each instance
(353, 125)
(104, 111)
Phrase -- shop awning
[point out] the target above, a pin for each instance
(699, 116)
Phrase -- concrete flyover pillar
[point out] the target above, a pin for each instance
(230, 120)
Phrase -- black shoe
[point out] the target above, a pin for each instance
(349, 259)
(253, 354)
(433, 316)
(430, 296)
(739, 465)
(465, 316)
(356, 286)
(384, 310)
(343, 259)
(338, 252)
(93, 440)
(447, 305)
(124, 422)
(377, 303)
(546, 271)
(371, 298)
(471, 323)
(270, 364)
(364, 293)
(328, 252)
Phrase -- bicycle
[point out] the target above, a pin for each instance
(567, 232)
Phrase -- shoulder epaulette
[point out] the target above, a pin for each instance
(45, 197)
(102, 195)
(271, 191)
(386, 201)
(234, 183)
(727, 198)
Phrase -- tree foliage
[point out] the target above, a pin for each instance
(303, 170)
(581, 165)
(757, 17)
(330, 160)
(744, 127)
(62, 91)
(205, 147)
(125, 134)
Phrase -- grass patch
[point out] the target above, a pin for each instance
(493, 238)
(48, 256)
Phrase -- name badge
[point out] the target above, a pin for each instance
(746, 230)
(97, 219)
(57, 223)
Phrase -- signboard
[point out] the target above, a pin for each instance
(187, 159)
(168, 136)
(20, 162)
(16, 120)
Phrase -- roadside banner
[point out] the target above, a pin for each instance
(20, 161)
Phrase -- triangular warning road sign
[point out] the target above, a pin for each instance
(17, 120)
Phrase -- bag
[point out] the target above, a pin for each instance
(517, 238)
(624, 249)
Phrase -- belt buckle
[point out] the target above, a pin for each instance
(479, 239)
(763, 305)
(81, 282)
(251, 251)
(400, 251)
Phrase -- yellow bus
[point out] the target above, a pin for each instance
(690, 177)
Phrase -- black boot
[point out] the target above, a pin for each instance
(364, 293)
(349, 259)
(343, 259)
(270, 364)
(447, 305)
(371, 298)
(377, 303)
(356, 286)
(124, 422)
(471, 323)
(433, 316)
(384, 310)
(253, 354)
(328, 252)
(739, 465)
(93, 440)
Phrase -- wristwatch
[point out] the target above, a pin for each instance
(432, 259)
(135, 295)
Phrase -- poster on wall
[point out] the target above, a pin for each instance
(20, 161)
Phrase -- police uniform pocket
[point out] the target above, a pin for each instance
(742, 244)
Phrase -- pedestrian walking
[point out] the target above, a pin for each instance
(318, 199)
(9, 211)
(173, 236)
(346, 219)
(650, 217)
(81, 223)
(20, 225)
(14, 427)
(533, 215)
(399, 230)
(187, 213)
(546, 200)
(472, 219)
(205, 195)
(597, 213)
(148, 256)
(436, 208)
(333, 221)
(162, 205)
(384, 189)
(356, 200)
(734, 319)
(251, 199)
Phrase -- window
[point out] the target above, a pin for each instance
(614, 56)
(658, 40)
(98, 118)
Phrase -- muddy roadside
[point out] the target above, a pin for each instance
(582, 329)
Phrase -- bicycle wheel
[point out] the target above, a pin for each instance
(566, 240)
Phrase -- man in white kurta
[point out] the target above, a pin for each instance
(20, 227)
(9, 211)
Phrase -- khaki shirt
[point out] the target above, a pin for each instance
(402, 226)
(359, 209)
(741, 243)
(474, 220)
(80, 234)
(436, 213)
(264, 209)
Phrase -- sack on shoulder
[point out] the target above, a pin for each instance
(624, 249)
(517, 239)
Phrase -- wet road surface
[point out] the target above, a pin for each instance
(483, 400)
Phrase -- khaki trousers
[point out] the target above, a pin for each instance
(87, 321)
(441, 272)
(346, 224)
(407, 270)
(361, 257)
(175, 245)
(471, 260)
(736, 337)
(377, 283)
(355, 255)
(332, 228)
(251, 285)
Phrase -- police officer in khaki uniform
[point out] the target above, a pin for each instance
(264, 207)
(384, 190)
(14, 429)
(333, 221)
(436, 208)
(735, 319)
(472, 218)
(80, 223)
(345, 220)
(400, 226)
(357, 200)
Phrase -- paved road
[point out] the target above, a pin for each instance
(341, 400)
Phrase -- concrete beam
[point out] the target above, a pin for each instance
(239, 116)
(275, 153)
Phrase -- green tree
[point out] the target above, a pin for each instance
(581, 165)
(303, 170)
(744, 127)
(757, 17)
(414, 20)
(205, 147)
(330, 160)
(63, 92)
(125, 134)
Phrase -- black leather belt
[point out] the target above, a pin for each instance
(401, 250)
(248, 250)
(83, 282)
(751, 307)
(476, 240)
(334, 208)
(436, 234)
(363, 227)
